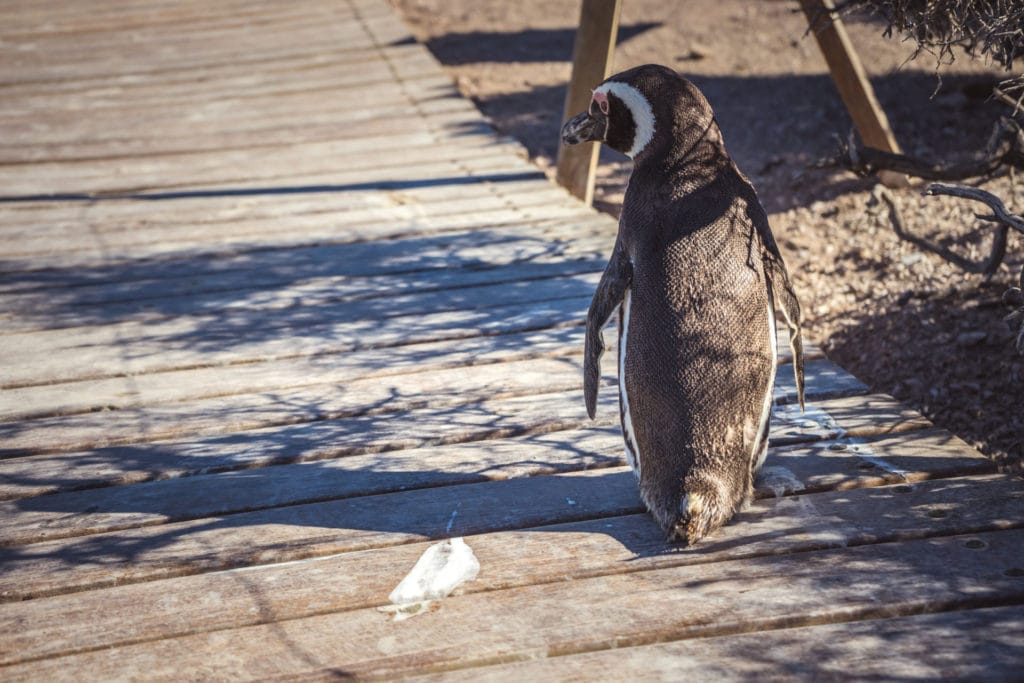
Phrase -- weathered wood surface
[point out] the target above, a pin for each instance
(975, 645)
(278, 311)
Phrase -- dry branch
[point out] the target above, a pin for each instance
(1004, 220)
(987, 29)
(1005, 148)
(987, 267)
(999, 212)
(990, 29)
(1012, 296)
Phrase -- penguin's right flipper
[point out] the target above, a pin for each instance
(791, 312)
(610, 291)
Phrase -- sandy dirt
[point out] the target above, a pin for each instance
(902, 320)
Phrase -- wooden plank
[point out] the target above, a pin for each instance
(116, 219)
(242, 113)
(271, 376)
(852, 82)
(55, 57)
(322, 123)
(921, 576)
(208, 269)
(395, 214)
(275, 129)
(840, 518)
(19, 218)
(597, 547)
(592, 58)
(238, 338)
(274, 377)
(118, 264)
(183, 90)
(194, 246)
(819, 466)
(94, 56)
(482, 211)
(125, 18)
(975, 645)
(108, 351)
(130, 613)
(49, 310)
(860, 416)
(247, 105)
(433, 395)
(245, 168)
(407, 411)
(282, 427)
(215, 25)
(147, 81)
(97, 50)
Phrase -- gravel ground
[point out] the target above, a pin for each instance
(902, 320)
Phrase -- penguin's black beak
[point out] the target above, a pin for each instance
(584, 127)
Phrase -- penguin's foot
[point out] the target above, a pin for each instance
(698, 516)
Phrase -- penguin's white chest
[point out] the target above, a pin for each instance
(632, 453)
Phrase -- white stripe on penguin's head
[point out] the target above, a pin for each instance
(639, 107)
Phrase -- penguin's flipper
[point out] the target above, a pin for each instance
(610, 291)
(786, 298)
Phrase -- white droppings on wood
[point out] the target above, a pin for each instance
(442, 568)
(865, 453)
(812, 422)
(780, 480)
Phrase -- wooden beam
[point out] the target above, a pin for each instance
(852, 82)
(592, 57)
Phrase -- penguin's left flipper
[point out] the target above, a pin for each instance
(611, 290)
(784, 295)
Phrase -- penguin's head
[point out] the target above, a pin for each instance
(639, 110)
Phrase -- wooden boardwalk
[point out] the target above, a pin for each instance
(280, 312)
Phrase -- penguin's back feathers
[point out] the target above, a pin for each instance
(701, 272)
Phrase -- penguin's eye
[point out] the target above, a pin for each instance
(602, 102)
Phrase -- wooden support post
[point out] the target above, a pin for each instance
(592, 57)
(852, 82)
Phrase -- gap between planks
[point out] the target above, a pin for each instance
(254, 168)
(240, 247)
(491, 207)
(239, 122)
(421, 422)
(904, 458)
(193, 48)
(832, 518)
(353, 424)
(476, 248)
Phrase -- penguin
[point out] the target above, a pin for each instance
(695, 275)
